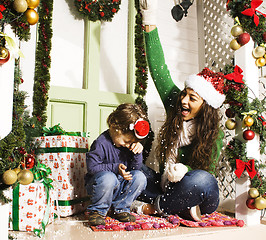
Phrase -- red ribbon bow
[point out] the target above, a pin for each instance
(2, 8)
(252, 11)
(236, 75)
(261, 118)
(249, 166)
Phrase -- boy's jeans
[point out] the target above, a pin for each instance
(108, 189)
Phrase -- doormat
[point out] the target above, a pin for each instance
(143, 222)
(214, 219)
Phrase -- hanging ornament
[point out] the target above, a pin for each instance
(230, 124)
(229, 113)
(251, 203)
(20, 5)
(248, 134)
(4, 55)
(260, 203)
(17, 170)
(260, 62)
(258, 52)
(29, 161)
(32, 16)
(253, 192)
(9, 177)
(248, 121)
(236, 30)
(234, 45)
(33, 3)
(25, 177)
(243, 38)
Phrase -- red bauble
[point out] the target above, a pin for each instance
(29, 161)
(250, 203)
(243, 38)
(248, 134)
(4, 60)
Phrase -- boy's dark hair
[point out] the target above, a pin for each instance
(124, 115)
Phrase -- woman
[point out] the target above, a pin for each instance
(189, 141)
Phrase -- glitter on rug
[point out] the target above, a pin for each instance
(214, 219)
(143, 222)
(146, 222)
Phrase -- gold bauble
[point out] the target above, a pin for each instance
(230, 124)
(258, 52)
(25, 177)
(3, 53)
(234, 45)
(32, 16)
(253, 192)
(9, 177)
(33, 3)
(236, 30)
(248, 121)
(260, 203)
(20, 5)
(260, 62)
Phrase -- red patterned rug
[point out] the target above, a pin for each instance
(146, 222)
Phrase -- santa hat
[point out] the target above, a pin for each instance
(209, 86)
(141, 128)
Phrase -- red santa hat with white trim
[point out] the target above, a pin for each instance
(209, 86)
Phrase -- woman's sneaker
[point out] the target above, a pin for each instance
(124, 217)
(192, 214)
(95, 218)
(142, 208)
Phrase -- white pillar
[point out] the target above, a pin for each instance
(244, 59)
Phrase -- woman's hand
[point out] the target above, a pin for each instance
(122, 171)
(148, 10)
(136, 147)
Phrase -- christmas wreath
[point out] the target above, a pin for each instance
(102, 10)
(252, 20)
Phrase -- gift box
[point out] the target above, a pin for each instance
(66, 156)
(32, 207)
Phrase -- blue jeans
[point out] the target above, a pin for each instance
(198, 187)
(108, 189)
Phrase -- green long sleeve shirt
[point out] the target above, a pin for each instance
(168, 91)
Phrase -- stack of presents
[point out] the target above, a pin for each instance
(58, 188)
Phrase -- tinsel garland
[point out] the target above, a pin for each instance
(42, 62)
(141, 75)
(236, 8)
(237, 98)
(102, 10)
(18, 21)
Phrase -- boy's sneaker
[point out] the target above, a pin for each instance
(192, 214)
(124, 217)
(95, 218)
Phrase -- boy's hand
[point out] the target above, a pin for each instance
(122, 171)
(136, 147)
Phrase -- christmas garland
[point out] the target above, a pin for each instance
(18, 21)
(236, 92)
(141, 74)
(252, 20)
(42, 63)
(102, 10)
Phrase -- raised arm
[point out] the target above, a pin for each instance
(155, 55)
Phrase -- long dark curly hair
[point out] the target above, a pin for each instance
(206, 133)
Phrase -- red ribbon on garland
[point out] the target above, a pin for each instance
(252, 11)
(249, 166)
(236, 75)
